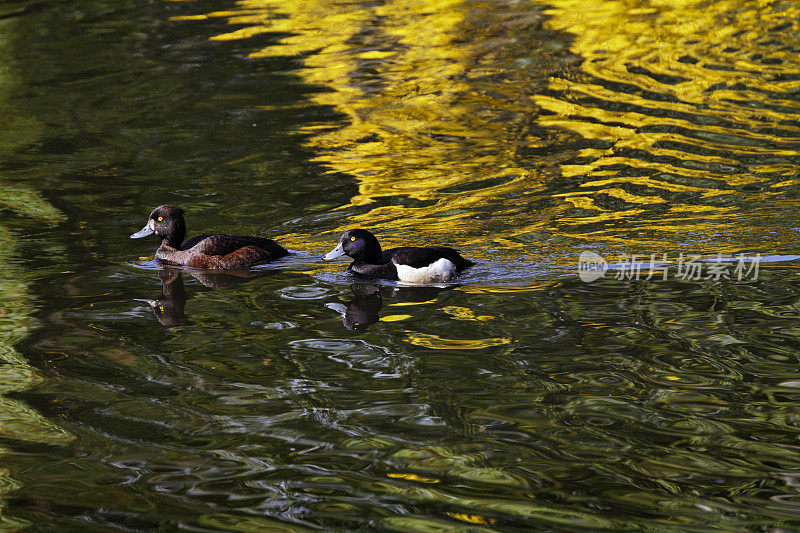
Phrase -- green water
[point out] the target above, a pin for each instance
(294, 397)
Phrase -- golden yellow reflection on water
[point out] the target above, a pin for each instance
(429, 110)
(533, 129)
(685, 117)
(437, 342)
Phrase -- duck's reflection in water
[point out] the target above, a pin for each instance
(169, 307)
(364, 309)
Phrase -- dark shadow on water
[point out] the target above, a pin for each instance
(364, 309)
(170, 305)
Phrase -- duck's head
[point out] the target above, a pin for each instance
(167, 222)
(359, 244)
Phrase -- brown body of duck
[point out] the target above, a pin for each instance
(214, 251)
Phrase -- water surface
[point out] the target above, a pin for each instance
(294, 397)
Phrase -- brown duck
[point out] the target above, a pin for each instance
(205, 251)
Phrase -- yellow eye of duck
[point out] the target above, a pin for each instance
(352, 238)
(160, 219)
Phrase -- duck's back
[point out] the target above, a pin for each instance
(223, 251)
(219, 244)
(418, 257)
(189, 243)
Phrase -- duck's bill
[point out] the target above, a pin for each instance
(333, 254)
(144, 232)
